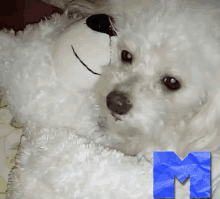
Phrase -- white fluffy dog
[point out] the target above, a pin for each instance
(161, 89)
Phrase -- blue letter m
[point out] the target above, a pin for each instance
(168, 164)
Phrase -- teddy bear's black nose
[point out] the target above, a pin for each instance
(118, 102)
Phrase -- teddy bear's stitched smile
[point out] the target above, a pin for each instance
(84, 63)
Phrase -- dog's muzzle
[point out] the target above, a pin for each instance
(118, 102)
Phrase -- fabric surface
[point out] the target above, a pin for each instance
(10, 133)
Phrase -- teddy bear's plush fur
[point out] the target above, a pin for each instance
(32, 85)
(160, 92)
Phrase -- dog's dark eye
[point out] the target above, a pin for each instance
(126, 56)
(171, 83)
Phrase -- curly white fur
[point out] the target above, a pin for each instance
(166, 41)
(167, 38)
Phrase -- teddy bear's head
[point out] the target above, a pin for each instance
(48, 71)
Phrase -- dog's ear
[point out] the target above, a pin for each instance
(203, 131)
(209, 115)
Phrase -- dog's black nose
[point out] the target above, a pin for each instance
(118, 102)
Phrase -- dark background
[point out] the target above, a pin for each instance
(16, 14)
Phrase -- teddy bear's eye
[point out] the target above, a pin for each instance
(126, 57)
(171, 83)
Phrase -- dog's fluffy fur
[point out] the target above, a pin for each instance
(166, 39)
